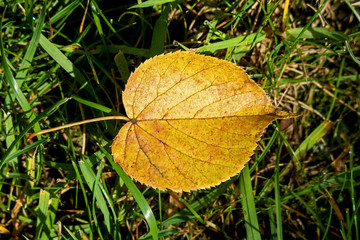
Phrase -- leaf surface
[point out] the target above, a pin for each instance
(195, 121)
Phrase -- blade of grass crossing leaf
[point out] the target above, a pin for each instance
(242, 49)
(18, 93)
(248, 205)
(42, 115)
(42, 212)
(139, 198)
(279, 226)
(158, 36)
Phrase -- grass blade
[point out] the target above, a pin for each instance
(42, 212)
(122, 66)
(312, 139)
(90, 179)
(92, 104)
(243, 42)
(151, 3)
(14, 85)
(279, 229)
(248, 205)
(65, 63)
(48, 233)
(316, 33)
(158, 37)
(29, 55)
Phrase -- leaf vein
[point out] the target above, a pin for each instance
(173, 86)
(181, 151)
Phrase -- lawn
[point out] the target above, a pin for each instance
(63, 62)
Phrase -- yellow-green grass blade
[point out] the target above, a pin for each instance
(312, 139)
(316, 33)
(279, 225)
(248, 205)
(92, 104)
(151, 3)
(243, 43)
(48, 232)
(42, 212)
(9, 130)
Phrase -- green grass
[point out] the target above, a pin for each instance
(302, 181)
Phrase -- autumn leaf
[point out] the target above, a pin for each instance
(194, 121)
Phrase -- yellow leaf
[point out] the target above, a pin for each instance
(195, 121)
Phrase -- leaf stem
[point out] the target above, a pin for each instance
(79, 123)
